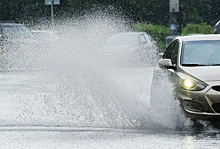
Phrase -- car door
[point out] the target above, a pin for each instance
(172, 54)
(163, 78)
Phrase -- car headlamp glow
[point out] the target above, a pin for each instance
(188, 83)
(191, 84)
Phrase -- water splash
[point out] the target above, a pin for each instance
(68, 85)
(165, 111)
(59, 81)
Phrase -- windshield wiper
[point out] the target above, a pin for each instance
(192, 65)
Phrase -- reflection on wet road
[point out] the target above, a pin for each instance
(38, 137)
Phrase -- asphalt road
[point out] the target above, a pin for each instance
(105, 108)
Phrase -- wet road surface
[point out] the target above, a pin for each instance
(34, 114)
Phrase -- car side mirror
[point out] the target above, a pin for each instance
(166, 63)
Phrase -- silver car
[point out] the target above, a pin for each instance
(129, 48)
(192, 64)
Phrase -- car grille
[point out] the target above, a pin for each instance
(216, 88)
(193, 106)
(216, 107)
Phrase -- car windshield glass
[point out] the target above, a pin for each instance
(201, 53)
(118, 39)
(15, 31)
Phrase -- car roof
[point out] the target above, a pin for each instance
(131, 33)
(198, 37)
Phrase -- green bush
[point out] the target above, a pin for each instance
(197, 29)
(157, 32)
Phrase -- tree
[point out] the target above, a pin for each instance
(152, 11)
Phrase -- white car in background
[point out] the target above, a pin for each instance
(130, 48)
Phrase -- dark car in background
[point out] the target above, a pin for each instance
(11, 33)
(14, 40)
(130, 48)
(14, 30)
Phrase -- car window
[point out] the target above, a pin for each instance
(168, 52)
(201, 53)
(121, 38)
(142, 39)
(172, 52)
(148, 38)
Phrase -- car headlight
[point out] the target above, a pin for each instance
(188, 83)
(191, 84)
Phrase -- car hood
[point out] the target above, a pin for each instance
(206, 73)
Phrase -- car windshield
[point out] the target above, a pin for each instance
(201, 53)
(118, 39)
(15, 31)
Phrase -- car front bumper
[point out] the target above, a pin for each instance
(203, 104)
